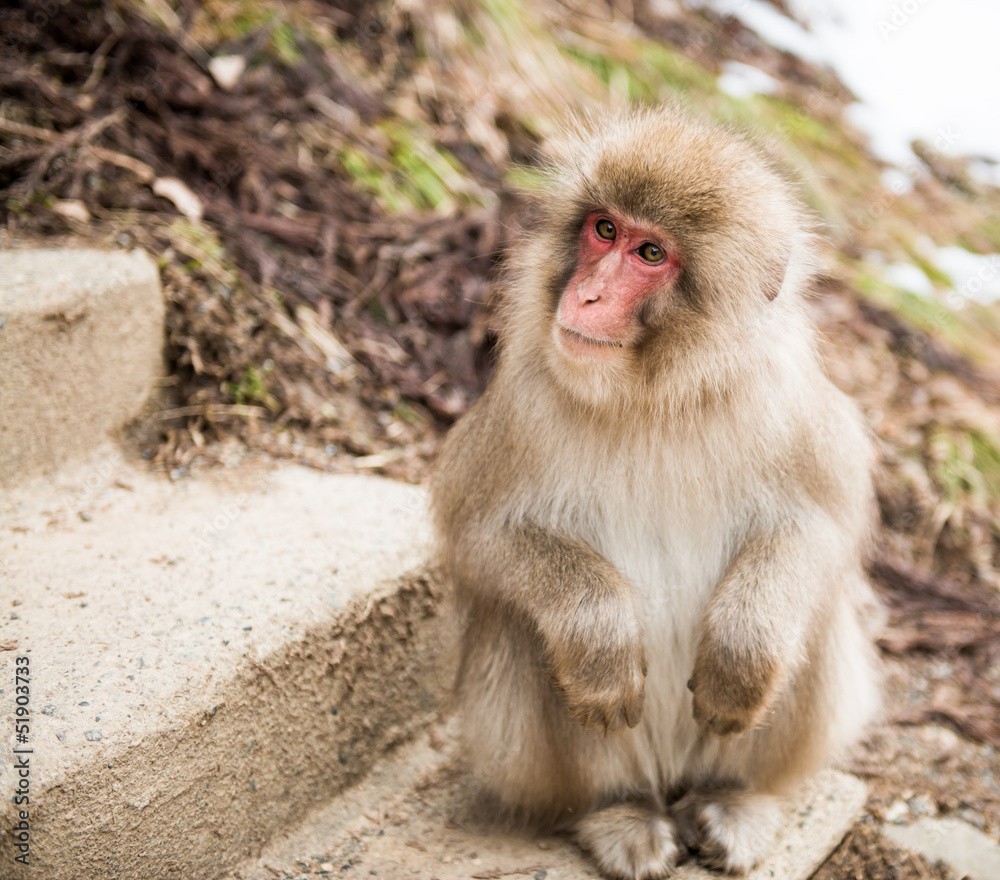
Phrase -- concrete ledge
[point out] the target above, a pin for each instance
(965, 849)
(208, 660)
(81, 339)
(411, 818)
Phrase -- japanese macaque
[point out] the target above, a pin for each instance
(655, 518)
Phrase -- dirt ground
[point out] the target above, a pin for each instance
(332, 285)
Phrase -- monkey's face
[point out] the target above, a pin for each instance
(624, 271)
(612, 314)
(657, 255)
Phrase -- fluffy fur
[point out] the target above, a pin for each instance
(659, 557)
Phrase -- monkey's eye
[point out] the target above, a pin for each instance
(605, 229)
(651, 253)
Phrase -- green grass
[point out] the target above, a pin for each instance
(968, 465)
(407, 171)
(253, 389)
(924, 313)
(991, 229)
(526, 178)
(408, 414)
(377, 309)
(929, 269)
(648, 73)
(205, 253)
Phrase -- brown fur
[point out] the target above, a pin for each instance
(696, 509)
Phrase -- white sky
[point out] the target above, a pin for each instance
(921, 68)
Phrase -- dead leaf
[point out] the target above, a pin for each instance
(181, 195)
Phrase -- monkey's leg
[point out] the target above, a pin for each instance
(579, 607)
(730, 829)
(535, 761)
(630, 841)
(821, 711)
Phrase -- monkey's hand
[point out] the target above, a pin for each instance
(599, 664)
(752, 631)
(733, 690)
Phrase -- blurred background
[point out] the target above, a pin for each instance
(328, 189)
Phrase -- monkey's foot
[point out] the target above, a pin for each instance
(730, 830)
(629, 842)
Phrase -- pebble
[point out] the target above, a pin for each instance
(896, 811)
(922, 805)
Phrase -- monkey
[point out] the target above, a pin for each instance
(656, 516)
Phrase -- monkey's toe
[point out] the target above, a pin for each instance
(630, 842)
(730, 831)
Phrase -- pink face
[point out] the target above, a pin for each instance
(621, 265)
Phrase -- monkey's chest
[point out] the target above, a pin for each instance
(674, 554)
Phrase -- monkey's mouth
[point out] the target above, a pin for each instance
(584, 346)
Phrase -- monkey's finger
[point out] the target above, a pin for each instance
(701, 713)
(617, 724)
(632, 717)
(628, 716)
(600, 721)
(728, 726)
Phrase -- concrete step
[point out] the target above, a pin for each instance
(411, 818)
(81, 339)
(969, 853)
(226, 676)
(207, 660)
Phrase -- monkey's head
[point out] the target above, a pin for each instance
(663, 248)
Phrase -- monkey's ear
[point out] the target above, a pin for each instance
(774, 274)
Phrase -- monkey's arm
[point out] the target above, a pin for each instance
(581, 607)
(753, 631)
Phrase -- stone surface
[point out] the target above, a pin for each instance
(968, 851)
(411, 818)
(208, 659)
(81, 338)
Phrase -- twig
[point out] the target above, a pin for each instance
(99, 60)
(143, 171)
(494, 875)
(41, 134)
(210, 410)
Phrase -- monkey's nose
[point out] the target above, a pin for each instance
(588, 292)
